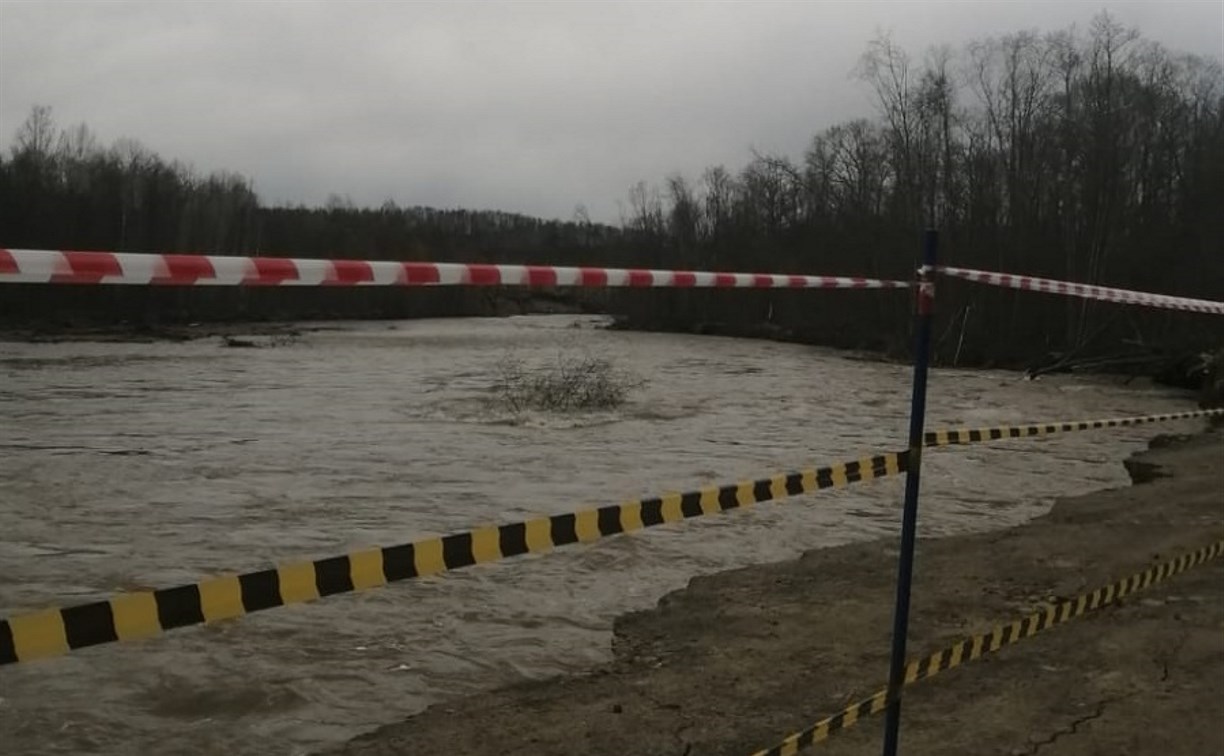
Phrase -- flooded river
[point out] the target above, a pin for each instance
(145, 465)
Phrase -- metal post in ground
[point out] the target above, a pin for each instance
(909, 519)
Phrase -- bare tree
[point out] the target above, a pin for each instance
(886, 67)
(684, 220)
(646, 211)
(719, 203)
(36, 135)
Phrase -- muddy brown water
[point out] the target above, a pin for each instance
(127, 466)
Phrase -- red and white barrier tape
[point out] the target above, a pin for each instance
(65, 267)
(1085, 291)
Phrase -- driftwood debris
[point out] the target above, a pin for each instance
(1190, 370)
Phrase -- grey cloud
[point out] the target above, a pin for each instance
(530, 107)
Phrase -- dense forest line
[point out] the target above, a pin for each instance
(1095, 157)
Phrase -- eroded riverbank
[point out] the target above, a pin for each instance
(739, 659)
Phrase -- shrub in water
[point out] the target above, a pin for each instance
(569, 383)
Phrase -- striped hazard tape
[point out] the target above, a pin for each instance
(976, 646)
(1085, 291)
(131, 616)
(42, 266)
(951, 436)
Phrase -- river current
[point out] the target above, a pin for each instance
(138, 465)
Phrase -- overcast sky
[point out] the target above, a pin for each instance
(524, 106)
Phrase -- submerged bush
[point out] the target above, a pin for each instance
(261, 342)
(568, 383)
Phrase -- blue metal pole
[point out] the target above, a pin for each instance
(909, 519)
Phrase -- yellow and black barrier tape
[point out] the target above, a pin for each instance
(976, 646)
(951, 436)
(132, 616)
